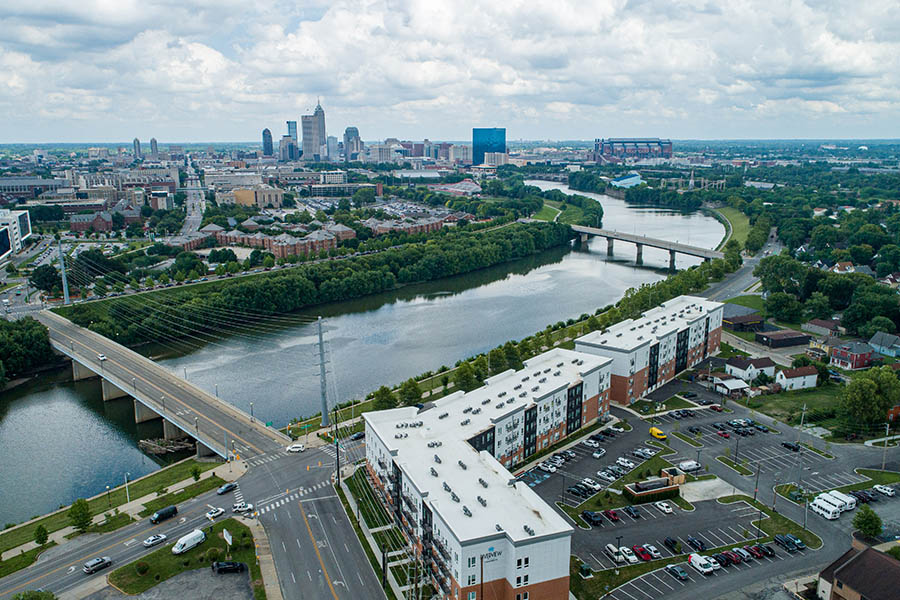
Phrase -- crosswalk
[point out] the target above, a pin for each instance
(292, 497)
(263, 459)
(238, 495)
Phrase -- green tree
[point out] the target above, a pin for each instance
(80, 515)
(783, 307)
(481, 367)
(179, 276)
(195, 473)
(511, 353)
(867, 522)
(220, 270)
(410, 393)
(497, 360)
(817, 306)
(869, 396)
(384, 399)
(268, 262)
(363, 196)
(877, 324)
(464, 378)
(45, 278)
(100, 288)
(163, 278)
(40, 535)
(2, 374)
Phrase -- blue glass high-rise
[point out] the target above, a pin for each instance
(487, 139)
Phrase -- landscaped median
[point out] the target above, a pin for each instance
(161, 565)
(733, 465)
(194, 489)
(20, 561)
(821, 453)
(776, 523)
(687, 439)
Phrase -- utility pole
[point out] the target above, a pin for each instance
(756, 485)
(800, 452)
(322, 376)
(737, 449)
(62, 266)
(887, 432)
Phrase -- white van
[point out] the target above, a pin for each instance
(191, 540)
(832, 499)
(701, 563)
(614, 554)
(824, 509)
(849, 501)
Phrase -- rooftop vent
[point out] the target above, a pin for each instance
(500, 405)
(501, 394)
(466, 511)
(475, 411)
(482, 482)
(497, 527)
(528, 530)
(523, 394)
(536, 373)
(454, 497)
(462, 464)
(447, 487)
(465, 422)
(433, 472)
(518, 386)
(443, 415)
(526, 378)
(437, 459)
(618, 335)
(487, 400)
(535, 388)
(574, 360)
(547, 370)
(557, 373)
(542, 380)
(559, 364)
(467, 410)
(482, 501)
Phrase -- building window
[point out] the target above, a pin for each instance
(471, 580)
(471, 561)
(525, 580)
(518, 581)
(518, 563)
(472, 595)
(526, 563)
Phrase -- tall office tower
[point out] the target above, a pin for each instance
(331, 144)
(352, 144)
(267, 142)
(154, 149)
(487, 139)
(292, 131)
(287, 149)
(314, 140)
(137, 149)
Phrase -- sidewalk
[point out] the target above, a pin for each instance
(134, 507)
(265, 558)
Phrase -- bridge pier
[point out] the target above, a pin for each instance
(79, 371)
(671, 260)
(172, 431)
(143, 413)
(640, 254)
(203, 450)
(609, 246)
(110, 391)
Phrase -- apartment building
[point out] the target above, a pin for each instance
(651, 350)
(442, 471)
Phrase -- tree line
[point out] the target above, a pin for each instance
(24, 345)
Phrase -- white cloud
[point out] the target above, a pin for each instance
(563, 69)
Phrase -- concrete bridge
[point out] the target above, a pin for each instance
(186, 410)
(640, 241)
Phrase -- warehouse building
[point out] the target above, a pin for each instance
(651, 350)
(442, 471)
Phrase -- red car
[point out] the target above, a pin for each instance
(723, 434)
(611, 515)
(641, 553)
(754, 551)
(716, 408)
(734, 557)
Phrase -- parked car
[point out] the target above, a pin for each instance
(575, 491)
(672, 544)
(694, 429)
(883, 489)
(629, 555)
(762, 428)
(611, 515)
(785, 543)
(624, 462)
(617, 470)
(652, 550)
(224, 489)
(742, 553)
(569, 453)
(720, 559)
(715, 407)
(756, 553)
(695, 543)
(701, 563)
(592, 518)
(153, 540)
(677, 572)
(723, 434)
(590, 443)
(792, 446)
(664, 507)
(592, 484)
(632, 512)
(766, 550)
(599, 453)
(689, 395)
(733, 557)
(228, 567)
(606, 476)
(798, 543)
(641, 553)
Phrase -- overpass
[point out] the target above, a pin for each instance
(219, 428)
(640, 241)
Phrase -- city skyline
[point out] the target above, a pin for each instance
(543, 71)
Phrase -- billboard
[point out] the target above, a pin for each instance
(5, 242)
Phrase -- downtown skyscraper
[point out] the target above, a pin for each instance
(314, 139)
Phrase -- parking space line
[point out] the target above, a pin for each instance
(648, 511)
(626, 593)
(738, 536)
(642, 591)
(646, 580)
(711, 534)
(655, 576)
(726, 535)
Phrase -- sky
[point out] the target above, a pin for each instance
(222, 70)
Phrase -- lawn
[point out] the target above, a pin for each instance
(152, 483)
(751, 301)
(111, 524)
(649, 407)
(373, 562)
(727, 351)
(195, 489)
(788, 406)
(373, 513)
(654, 466)
(162, 564)
(737, 467)
(776, 523)
(22, 560)
(546, 213)
(390, 539)
(740, 223)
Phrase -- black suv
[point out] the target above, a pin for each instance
(671, 544)
(228, 567)
(632, 512)
(593, 518)
(696, 544)
(792, 446)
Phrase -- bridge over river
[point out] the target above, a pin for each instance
(640, 241)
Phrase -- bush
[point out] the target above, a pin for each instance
(212, 554)
(141, 568)
(195, 472)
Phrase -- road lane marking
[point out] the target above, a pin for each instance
(318, 554)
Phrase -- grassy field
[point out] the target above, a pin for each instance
(195, 489)
(152, 483)
(547, 213)
(650, 468)
(776, 523)
(391, 539)
(20, 561)
(788, 406)
(740, 223)
(754, 302)
(111, 524)
(162, 564)
(727, 351)
(737, 467)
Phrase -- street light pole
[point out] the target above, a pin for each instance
(251, 412)
(197, 424)
(108, 501)
(127, 494)
(887, 433)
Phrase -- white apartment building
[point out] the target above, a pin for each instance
(443, 472)
(651, 350)
(18, 224)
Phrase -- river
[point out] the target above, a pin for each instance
(60, 441)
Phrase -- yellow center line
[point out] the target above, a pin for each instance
(316, 548)
(150, 383)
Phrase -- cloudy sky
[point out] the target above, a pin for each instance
(221, 70)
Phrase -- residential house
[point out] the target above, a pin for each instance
(800, 378)
(886, 344)
(892, 280)
(340, 231)
(865, 270)
(822, 327)
(843, 268)
(749, 369)
(852, 356)
(820, 348)
(860, 573)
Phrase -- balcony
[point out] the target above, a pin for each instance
(408, 501)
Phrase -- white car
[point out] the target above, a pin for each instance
(664, 507)
(592, 484)
(295, 448)
(591, 444)
(624, 463)
(547, 467)
(700, 563)
(606, 476)
(155, 539)
(242, 507)
(629, 555)
(599, 453)
(617, 429)
(101, 357)
(883, 489)
(652, 550)
(215, 512)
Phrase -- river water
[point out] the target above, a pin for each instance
(60, 441)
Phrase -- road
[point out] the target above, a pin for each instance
(195, 203)
(219, 425)
(735, 284)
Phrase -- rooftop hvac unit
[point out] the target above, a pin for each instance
(487, 400)
(454, 497)
(482, 501)
(465, 422)
(443, 415)
(528, 530)
(497, 527)
(447, 487)
(467, 410)
(482, 482)
(437, 459)
(466, 511)
(559, 364)
(433, 472)
(501, 394)
(462, 464)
